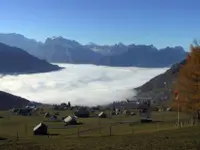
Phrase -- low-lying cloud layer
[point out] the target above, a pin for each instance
(80, 84)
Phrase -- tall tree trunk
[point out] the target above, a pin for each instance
(198, 115)
(194, 120)
(194, 117)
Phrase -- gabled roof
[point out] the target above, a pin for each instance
(38, 126)
(101, 113)
(69, 119)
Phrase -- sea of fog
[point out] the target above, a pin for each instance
(79, 84)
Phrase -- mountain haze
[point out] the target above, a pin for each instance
(61, 50)
(18, 40)
(146, 56)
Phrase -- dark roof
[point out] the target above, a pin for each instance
(41, 125)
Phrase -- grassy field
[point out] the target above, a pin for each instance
(117, 132)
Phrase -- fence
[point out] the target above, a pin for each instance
(127, 128)
(119, 128)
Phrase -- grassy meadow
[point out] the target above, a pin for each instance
(114, 132)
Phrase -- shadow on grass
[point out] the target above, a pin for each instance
(148, 122)
(52, 121)
(53, 134)
(49, 134)
(1, 138)
(79, 123)
(157, 121)
(72, 125)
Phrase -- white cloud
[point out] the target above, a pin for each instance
(80, 84)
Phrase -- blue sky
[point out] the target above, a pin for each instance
(158, 22)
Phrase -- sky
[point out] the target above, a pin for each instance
(98, 85)
(158, 22)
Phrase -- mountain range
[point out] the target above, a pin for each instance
(14, 60)
(61, 50)
(146, 56)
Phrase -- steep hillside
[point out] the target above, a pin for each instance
(14, 61)
(8, 101)
(160, 87)
(158, 82)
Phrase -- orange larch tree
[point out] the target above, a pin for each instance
(188, 84)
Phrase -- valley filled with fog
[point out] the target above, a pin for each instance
(80, 84)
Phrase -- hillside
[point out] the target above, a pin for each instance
(160, 86)
(15, 61)
(62, 50)
(8, 101)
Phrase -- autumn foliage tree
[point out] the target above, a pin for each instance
(188, 84)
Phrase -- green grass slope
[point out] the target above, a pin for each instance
(128, 135)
